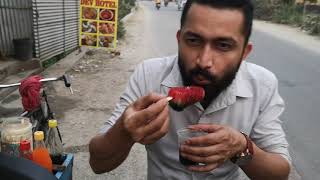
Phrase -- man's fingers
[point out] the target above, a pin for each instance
(204, 168)
(205, 140)
(210, 139)
(156, 123)
(148, 114)
(154, 109)
(136, 124)
(209, 128)
(201, 159)
(147, 100)
(201, 151)
(158, 134)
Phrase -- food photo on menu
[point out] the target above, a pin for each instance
(107, 14)
(89, 27)
(89, 40)
(106, 28)
(89, 13)
(106, 41)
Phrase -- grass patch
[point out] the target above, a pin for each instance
(287, 12)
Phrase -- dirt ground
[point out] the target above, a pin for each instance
(98, 80)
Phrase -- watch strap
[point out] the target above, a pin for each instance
(249, 147)
(246, 154)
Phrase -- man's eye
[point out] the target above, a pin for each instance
(193, 41)
(224, 46)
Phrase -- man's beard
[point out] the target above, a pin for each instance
(216, 86)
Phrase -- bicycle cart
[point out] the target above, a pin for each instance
(39, 118)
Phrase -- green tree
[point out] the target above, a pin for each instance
(125, 7)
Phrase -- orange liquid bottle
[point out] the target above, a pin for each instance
(40, 153)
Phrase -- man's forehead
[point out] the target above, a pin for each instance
(210, 21)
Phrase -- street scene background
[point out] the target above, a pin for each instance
(99, 77)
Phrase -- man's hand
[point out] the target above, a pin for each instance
(220, 144)
(147, 119)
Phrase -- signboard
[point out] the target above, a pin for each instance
(99, 22)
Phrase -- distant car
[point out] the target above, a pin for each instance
(181, 4)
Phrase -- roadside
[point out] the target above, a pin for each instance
(98, 80)
(288, 33)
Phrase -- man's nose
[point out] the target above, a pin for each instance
(205, 59)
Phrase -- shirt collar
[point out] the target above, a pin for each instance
(174, 78)
(242, 84)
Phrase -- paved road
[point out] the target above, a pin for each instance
(296, 68)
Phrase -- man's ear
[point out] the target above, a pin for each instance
(247, 50)
(178, 35)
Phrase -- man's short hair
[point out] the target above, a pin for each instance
(245, 6)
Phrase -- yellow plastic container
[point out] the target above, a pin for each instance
(12, 132)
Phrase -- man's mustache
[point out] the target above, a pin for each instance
(204, 73)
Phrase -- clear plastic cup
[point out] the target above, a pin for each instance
(183, 135)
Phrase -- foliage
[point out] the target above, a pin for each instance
(263, 9)
(287, 12)
(125, 7)
(312, 24)
(121, 30)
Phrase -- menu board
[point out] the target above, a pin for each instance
(98, 23)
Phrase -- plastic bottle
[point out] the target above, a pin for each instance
(25, 149)
(40, 153)
(53, 143)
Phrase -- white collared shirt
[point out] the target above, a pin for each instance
(251, 104)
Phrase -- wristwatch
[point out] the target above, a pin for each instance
(244, 157)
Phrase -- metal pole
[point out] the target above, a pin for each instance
(18, 84)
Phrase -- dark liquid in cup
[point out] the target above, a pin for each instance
(58, 159)
(187, 162)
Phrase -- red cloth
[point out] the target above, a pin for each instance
(30, 92)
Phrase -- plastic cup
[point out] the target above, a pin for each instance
(183, 135)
